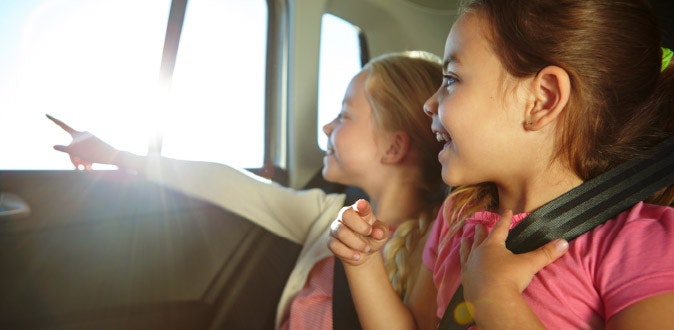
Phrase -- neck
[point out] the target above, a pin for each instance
(395, 204)
(534, 191)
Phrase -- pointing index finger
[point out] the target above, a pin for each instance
(63, 125)
(364, 210)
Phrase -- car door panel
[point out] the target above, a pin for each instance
(107, 248)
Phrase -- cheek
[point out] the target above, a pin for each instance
(339, 138)
(468, 110)
(454, 113)
(351, 135)
(344, 145)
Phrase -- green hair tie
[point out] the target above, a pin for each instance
(666, 58)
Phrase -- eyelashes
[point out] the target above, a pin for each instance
(448, 80)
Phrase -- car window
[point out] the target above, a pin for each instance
(339, 61)
(218, 84)
(95, 65)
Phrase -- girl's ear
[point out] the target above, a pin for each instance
(398, 146)
(551, 87)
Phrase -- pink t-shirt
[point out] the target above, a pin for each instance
(312, 307)
(618, 263)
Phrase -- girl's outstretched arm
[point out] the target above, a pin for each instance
(357, 238)
(259, 200)
(494, 278)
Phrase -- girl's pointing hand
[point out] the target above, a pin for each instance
(356, 233)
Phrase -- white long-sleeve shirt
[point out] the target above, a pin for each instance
(302, 216)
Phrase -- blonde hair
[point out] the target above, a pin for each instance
(397, 86)
(464, 201)
(400, 248)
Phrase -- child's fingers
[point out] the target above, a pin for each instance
(63, 125)
(500, 231)
(79, 137)
(80, 164)
(547, 254)
(466, 248)
(363, 208)
(348, 237)
(479, 235)
(342, 251)
(380, 231)
(352, 219)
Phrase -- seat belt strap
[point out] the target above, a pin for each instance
(583, 208)
(344, 316)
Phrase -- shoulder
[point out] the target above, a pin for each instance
(639, 225)
(623, 261)
(640, 228)
(648, 212)
(630, 257)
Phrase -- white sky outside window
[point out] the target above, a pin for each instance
(217, 94)
(95, 65)
(339, 61)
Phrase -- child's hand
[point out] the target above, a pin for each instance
(357, 234)
(85, 148)
(489, 269)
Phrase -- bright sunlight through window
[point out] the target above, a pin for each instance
(95, 65)
(339, 61)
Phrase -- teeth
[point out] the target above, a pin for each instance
(442, 137)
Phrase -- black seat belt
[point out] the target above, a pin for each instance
(344, 316)
(584, 207)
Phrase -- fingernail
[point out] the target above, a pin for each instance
(561, 245)
(356, 256)
(367, 249)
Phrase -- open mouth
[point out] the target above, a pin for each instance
(442, 137)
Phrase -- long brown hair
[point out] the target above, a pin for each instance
(621, 103)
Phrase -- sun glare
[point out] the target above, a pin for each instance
(95, 65)
(74, 60)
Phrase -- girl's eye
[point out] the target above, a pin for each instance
(448, 80)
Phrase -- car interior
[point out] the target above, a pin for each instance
(107, 249)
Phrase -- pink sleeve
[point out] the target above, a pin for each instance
(430, 254)
(638, 262)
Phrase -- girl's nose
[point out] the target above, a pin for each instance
(431, 105)
(327, 128)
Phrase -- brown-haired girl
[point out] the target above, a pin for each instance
(538, 97)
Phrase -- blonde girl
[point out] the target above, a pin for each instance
(378, 143)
